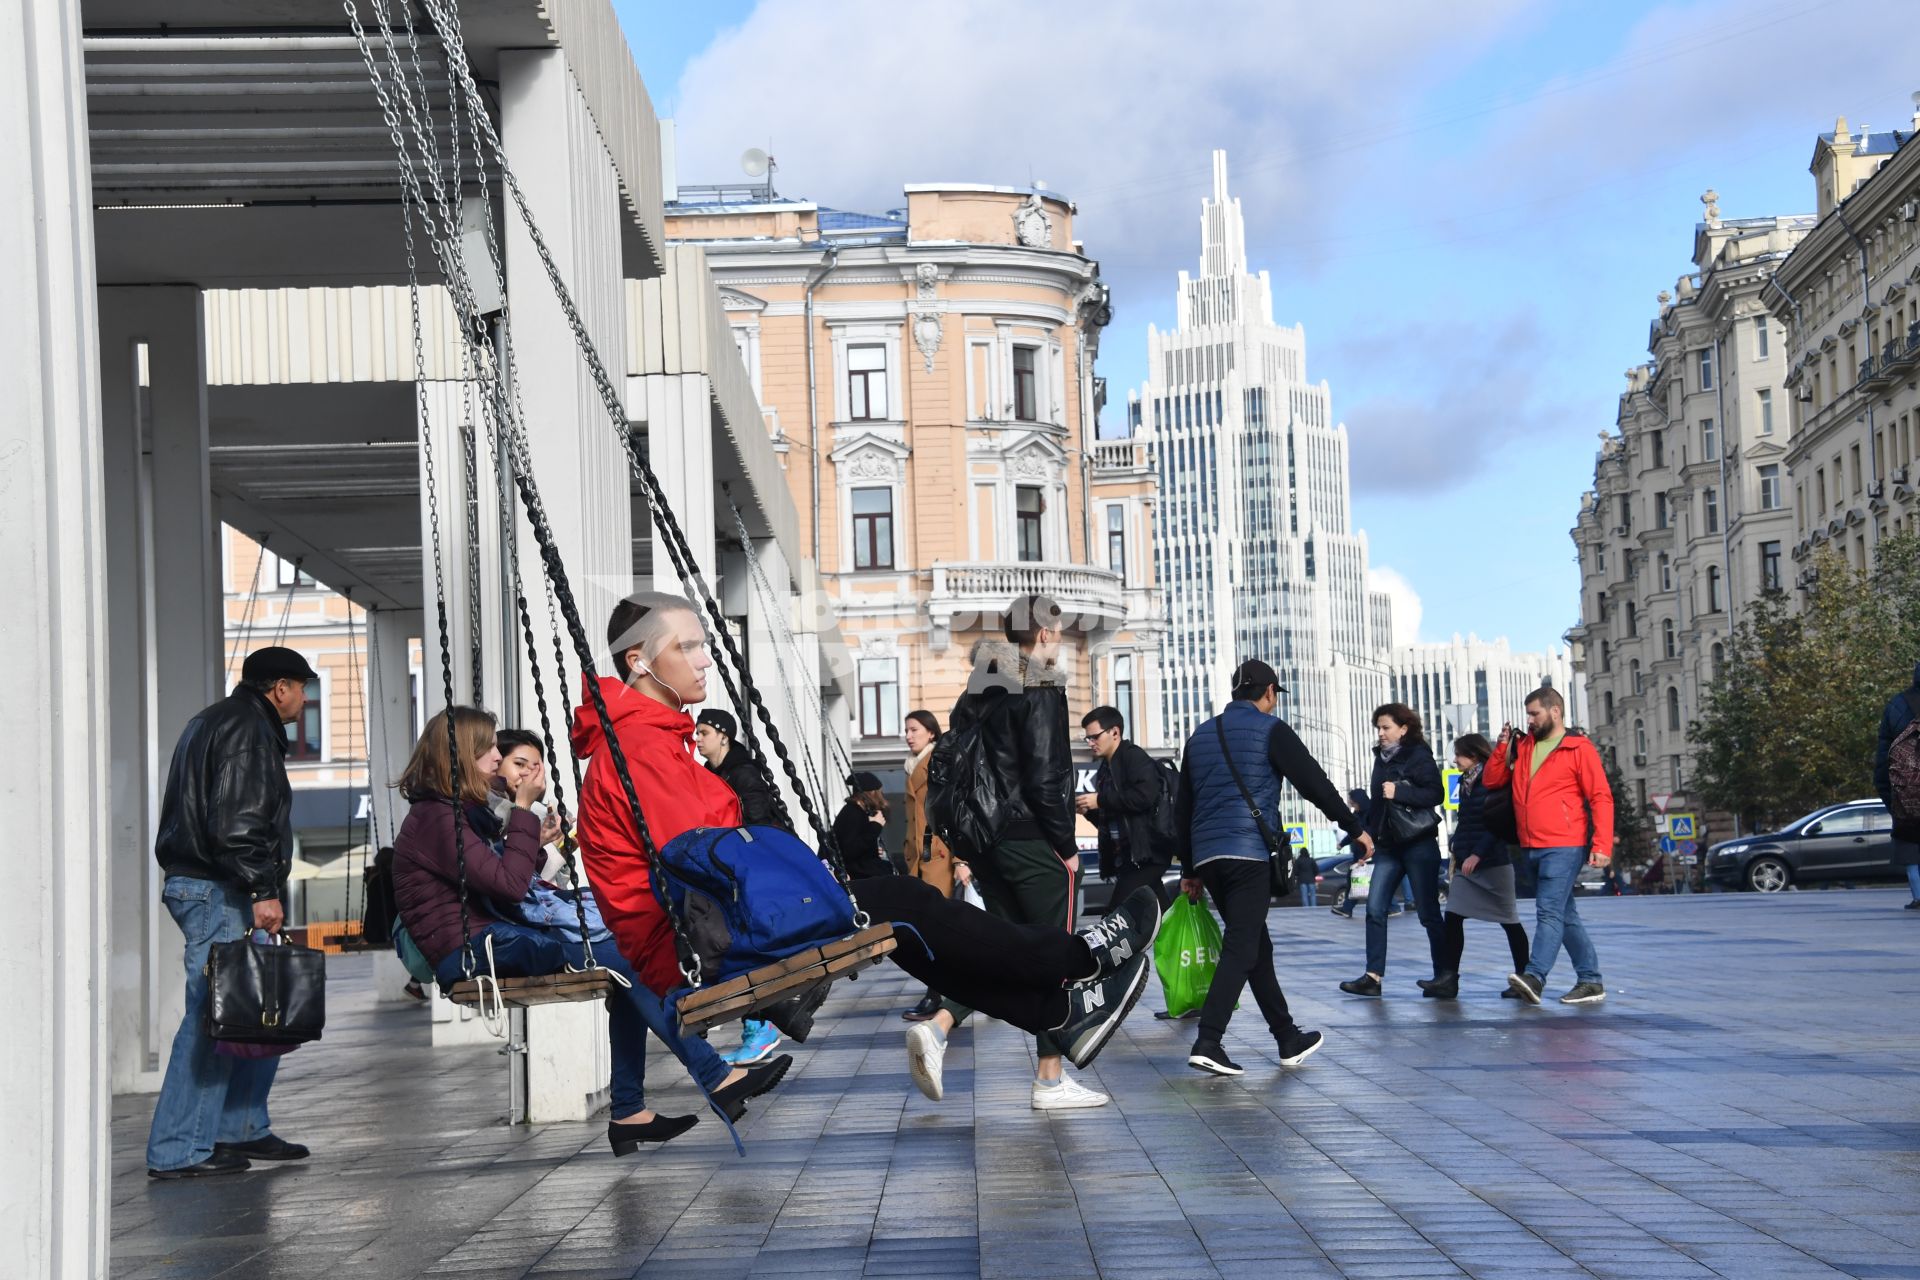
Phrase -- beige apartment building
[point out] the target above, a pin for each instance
(928, 379)
(1688, 519)
(1849, 297)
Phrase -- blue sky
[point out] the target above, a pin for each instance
(1470, 207)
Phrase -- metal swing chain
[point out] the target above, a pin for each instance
(411, 205)
(246, 619)
(688, 570)
(376, 697)
(353, 665)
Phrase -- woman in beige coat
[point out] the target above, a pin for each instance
(927, 856)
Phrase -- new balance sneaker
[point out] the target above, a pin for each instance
(757, 1040)
(1096, 1009)
(1585, 993)
(1068, 1095)
(926, 1057)
(1297, 1046)
(1123, 933)
(1525, 986)
(1208, 1055)
(1364, 985)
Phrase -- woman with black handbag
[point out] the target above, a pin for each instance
(1405, 824)
(1482, 883)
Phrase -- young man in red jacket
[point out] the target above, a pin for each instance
(1564, 809)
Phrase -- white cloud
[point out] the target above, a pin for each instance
(1407, 609)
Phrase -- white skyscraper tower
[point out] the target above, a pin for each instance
(1254, 547)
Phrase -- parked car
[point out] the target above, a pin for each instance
(1851, 841)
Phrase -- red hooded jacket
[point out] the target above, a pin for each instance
(677, 794)
(1552, 807)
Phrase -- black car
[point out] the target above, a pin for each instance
(1851, 841)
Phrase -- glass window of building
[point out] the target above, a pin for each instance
(873, 528)
(1026, 399)
(879, 698)
(304, 734)
(1117, 539)
(1028, 505)
(866, 382)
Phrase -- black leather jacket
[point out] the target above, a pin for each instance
(228, 812)
(1025, 736)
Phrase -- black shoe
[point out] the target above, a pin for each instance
(267, 1148)
(1914, 905)
(1364, 985)
(1447, 988)
(1509, 994)
(1165, 1016)
(1525, 986)
(1208, 1055)
(1585, 993)
(794, 1018)
(1095, 1010)
(218, 1163)
(625, 1139)
(928, 1006)
(1124, 932)
(732, 1098)
(1297, 1046)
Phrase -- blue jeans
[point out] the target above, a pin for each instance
(1913, 880)
(1558, 918)
(1309, 893)
(1418, 867)
(520, 951)
(206, 1097)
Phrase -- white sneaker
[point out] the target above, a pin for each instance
(1068, 1095)
(926, 1056)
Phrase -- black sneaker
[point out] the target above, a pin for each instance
(1585, 993)
(1525, 987)
(1123, 933)
(794, 1018)
(1095, 1010)
(1914, 905)
(270, 1147)
(1364, 985)
(214, 1165)
(1208, 1055)
(1508, 993)
(1297, 1046)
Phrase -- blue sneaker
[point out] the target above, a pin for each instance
(757, 1040)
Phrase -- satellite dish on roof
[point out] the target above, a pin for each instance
(754, 162)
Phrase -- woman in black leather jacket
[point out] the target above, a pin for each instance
(1402, 817)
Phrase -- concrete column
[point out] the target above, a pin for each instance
(389, 710)
(579, 458)
(443, 525)
(165, 633)
(54, 1074)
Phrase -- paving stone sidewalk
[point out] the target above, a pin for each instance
(1746, 1104)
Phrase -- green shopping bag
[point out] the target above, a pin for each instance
(1185, 953)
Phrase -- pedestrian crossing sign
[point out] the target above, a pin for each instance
(1453, 790)
(1297, 835)
(1680, 826)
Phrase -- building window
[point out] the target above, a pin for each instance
(1855, 468)
(1673, 707)
(1713, 588)
(1766, 413)
(866, 382)
(1028, 505)
(1668, 644)
(1123, 691)
(303, 735)
(873, 528)
(1639, 741)
(1026, 399)
(1665, 564)
(1658, 440)
(1710, 508)
(289, 574)
(1760, 338)
(879, 698)
(1606, 656)
(1607, 700)
(1706, 368)
(1633, 619)
(1117, 539)
(1770, 487)
(1769, 566)
(1659, 510)
(1709, 441)
(1633, 674)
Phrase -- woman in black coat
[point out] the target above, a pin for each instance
(1482, 885)
(1403, 819)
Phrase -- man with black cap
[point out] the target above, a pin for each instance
(715, 737)
(1229, 806)
(226, 845)
(857, 828)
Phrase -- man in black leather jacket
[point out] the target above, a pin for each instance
(1126, 792)
(226, 844)
(1019, 699)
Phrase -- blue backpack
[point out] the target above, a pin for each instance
(751, 896)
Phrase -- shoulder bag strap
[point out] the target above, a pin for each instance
(1259, 820)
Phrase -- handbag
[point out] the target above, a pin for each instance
(265, 992)
(1279, 859)
(1408, 824)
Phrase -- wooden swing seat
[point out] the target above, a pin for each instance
(796, 975)
(546, 988)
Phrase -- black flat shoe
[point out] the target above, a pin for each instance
(927, 1007)
(267, 1148)
(732, 1098)
(625, 1139)
(213, 1166)
(1364, 985)
(1442, 988)
(794, 1018)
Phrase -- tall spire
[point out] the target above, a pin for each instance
(1223, 236)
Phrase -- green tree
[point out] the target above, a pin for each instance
(1790, 723)
(1632, 824)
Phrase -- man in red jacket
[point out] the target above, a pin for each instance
(1564, 809)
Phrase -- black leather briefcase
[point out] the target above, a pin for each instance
(266, 992)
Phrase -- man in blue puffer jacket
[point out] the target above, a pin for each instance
(1226, 853)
